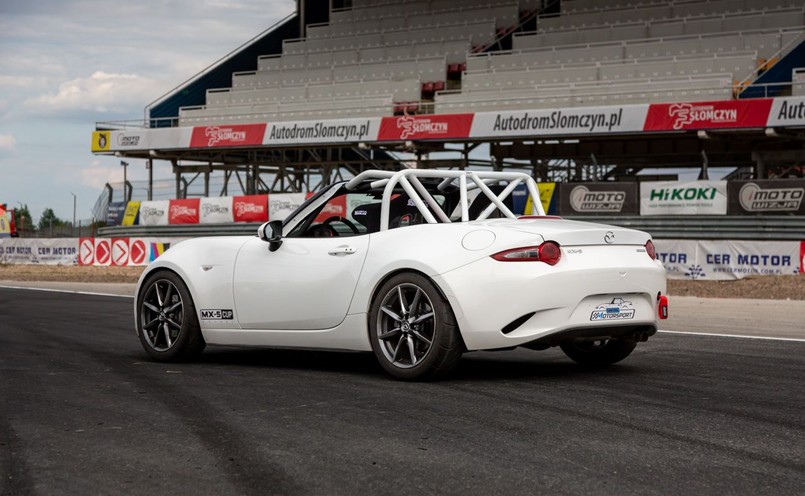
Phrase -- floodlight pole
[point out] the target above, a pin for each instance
(72, 228)
(125, 180)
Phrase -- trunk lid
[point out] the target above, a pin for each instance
(573, 233)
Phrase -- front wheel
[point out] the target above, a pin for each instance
(412, 329)
(166, 319)
(598, 353)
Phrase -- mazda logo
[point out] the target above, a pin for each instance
(609, 237)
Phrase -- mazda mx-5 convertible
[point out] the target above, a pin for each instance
(416, 266)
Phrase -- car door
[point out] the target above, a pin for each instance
(306, 284)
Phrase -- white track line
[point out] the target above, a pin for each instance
(68, 291)
(716, 335)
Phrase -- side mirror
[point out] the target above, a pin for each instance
(271, 233)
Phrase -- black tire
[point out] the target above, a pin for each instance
(598, 353)
(416, 343)
(167, 324)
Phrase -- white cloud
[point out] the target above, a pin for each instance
(96, 175)
(7, 144)
(101, 92)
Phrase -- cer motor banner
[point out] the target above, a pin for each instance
(728, 260)
(38, 251)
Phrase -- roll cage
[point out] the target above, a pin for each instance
(464, 181)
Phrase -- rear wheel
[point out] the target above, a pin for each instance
(166, 319)
(598, 353)
(412, 329)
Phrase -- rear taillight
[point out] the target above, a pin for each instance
(548, 252)
(650, 250)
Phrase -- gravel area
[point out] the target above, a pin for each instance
(762, 287)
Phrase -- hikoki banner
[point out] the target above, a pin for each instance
(729, 260)
(683, 198)
(534, 123)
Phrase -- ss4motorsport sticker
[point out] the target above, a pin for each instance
(222, 314)
(617, 309)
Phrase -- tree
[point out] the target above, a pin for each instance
(22, 218)
(49, 219)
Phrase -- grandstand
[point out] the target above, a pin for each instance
(353, 61)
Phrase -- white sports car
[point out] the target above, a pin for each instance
(419, 266)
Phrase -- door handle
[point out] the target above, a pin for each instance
(342, 250)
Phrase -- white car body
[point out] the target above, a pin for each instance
(316, 292)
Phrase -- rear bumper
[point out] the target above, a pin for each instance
(501, 305)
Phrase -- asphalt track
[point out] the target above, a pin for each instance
(83, 411)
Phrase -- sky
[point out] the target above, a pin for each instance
(67, 64)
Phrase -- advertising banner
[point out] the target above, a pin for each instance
(114, 213)
(683, 198)
(598, 199)
(336, 207)
(228, 135)
(708, 115)
(154, 213)
(802, 257)
(325, 131)
(251, 208)
(5, 225)
(184, 211)
(280, 205)
(216, 210)
(789, 111)
(766, 196)
(61, 251)
(568, 121)
(141, 139)
(409, 127)
(548, 197)
(131, 216)
(728, 260)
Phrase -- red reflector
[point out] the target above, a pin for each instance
(662, 307)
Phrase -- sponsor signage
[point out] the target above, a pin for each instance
(410, 127)
(251, 208)
(802, 257)
(130, 217)
(683, 198)
(120, 252)
(727, 260)
(281, 205)
(766, 197)
(184, 211)
(101, 141)
(723, 114)
(547, 196)
(582, 120)
(708, 115)
(787, 112)
(325, 131)
(228, 135)
(138, 252)
(86, 251)
(154, 213)
(215, 210)
(39, 251)
(114, 213)
(103, 251)
(598, 198)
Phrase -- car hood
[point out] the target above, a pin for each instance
(570, 232)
